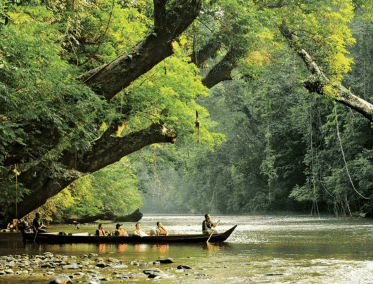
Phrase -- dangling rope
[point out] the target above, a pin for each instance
(343, 154)
(314, 202)
(197, 126)
(17, 174)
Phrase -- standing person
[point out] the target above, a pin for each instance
(207, 226)
(119, 232)
(139, 232)
(37, 224)
(100, 231)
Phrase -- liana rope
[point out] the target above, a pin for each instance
(343, 154)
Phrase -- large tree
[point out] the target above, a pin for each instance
(130, 98)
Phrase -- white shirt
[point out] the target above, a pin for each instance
(139, 233)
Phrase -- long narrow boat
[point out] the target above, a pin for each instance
(56, 238)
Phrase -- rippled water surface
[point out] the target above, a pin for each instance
(262, 249)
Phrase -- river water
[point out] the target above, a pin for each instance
(262, 249)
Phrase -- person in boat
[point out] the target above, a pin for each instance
(207, 226)
(37, 224)
(119, 232)
(159, 231)
(101, 232)
(139, 232)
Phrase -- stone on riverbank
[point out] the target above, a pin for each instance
(165, 261)
(61, 279)
(151, 270)
(72, 266)
(119, 266)
(48, 266)
(183, 266)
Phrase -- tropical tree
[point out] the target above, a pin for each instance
(130, 95)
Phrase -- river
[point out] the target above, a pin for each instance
(262, 249)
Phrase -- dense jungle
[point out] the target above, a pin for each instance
(185, 106)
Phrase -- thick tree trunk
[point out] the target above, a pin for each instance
(108, 215)
(221, 71)
(210, 49)
(106, 151)
(318, 80)
(108, 81)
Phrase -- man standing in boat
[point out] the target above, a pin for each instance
(207, 226)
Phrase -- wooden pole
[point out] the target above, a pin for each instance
(212, 231)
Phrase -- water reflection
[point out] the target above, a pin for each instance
(155, 247)
(141, 247)
(163, 248)
(263, 249)
(215, 246)
(211, 247)
(121, 248)
(101, 248)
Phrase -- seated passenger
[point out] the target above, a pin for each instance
(207, 226)
(37, 224)
(139, 232)
(160, 230)
(100, 231)
(119, 232)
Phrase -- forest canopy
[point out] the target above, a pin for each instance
(85, 83)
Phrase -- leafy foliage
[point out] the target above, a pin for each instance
(113, 188)
(278, 139)
(282, 151)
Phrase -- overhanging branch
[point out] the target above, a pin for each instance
(318, 80)
(108, 80)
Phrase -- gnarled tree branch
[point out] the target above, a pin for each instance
(110, 79)
(318, 80)
(105, 151)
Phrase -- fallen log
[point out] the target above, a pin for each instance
(108, 215)
(133, 217)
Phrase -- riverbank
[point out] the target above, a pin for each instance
(92, 268)
(262, 249)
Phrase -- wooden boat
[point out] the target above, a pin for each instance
(57, 238)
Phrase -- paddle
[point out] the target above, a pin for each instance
(212, 231)
(36, 232)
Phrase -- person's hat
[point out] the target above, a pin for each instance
(119, 225)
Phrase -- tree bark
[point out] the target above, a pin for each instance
(221, 71)
(318, 80)
(110, 79)
(107, 81)
(105, 151)
(198, 58)
(108, 215)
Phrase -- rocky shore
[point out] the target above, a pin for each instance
(91, 269)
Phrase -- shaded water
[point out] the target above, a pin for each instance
(262, 249)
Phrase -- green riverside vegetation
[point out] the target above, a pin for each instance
(224, 106)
